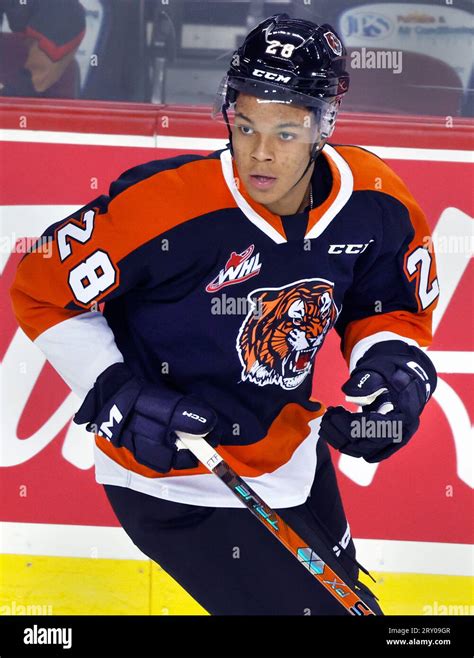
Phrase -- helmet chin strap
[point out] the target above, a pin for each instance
(315, 151)
(316, 148)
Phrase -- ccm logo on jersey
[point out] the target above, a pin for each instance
(348, 248)
(238, 268)
(277, 77)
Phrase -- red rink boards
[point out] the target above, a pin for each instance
(423, 493)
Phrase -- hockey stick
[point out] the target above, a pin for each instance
(270, 519)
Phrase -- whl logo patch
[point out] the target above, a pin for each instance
(238, 268)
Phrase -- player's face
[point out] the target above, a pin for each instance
(272, 144)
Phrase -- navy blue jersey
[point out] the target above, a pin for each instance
(206, 289)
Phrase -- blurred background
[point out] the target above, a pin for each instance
(174, 51)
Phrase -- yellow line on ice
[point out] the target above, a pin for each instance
(422, 594)
(87, 586)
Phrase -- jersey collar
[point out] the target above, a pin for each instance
(319, 218)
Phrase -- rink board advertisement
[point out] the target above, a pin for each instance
(420, 497)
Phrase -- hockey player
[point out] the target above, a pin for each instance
(221, 276)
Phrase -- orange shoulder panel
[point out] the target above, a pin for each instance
(372, 173)
(140, 213)
(409, 325)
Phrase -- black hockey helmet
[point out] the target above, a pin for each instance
(293, 61)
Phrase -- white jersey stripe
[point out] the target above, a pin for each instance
(287, 486)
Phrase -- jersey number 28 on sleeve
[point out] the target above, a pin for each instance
(96, 273)
(419, 263)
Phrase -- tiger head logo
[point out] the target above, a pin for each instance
(283, 331)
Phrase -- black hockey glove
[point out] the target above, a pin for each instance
(392, 382)
(144, 417)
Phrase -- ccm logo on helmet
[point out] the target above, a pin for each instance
(194, 416)
(277, 77)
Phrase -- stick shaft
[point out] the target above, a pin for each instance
(275, 524)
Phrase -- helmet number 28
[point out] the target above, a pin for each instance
(286, 48)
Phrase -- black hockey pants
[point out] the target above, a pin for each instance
(231, 564)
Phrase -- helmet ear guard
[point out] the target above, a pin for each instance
(328, 119)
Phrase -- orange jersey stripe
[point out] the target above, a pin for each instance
(371, 173)
(140, 213)
(286, 433)
(404, 323)
(316, 214)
